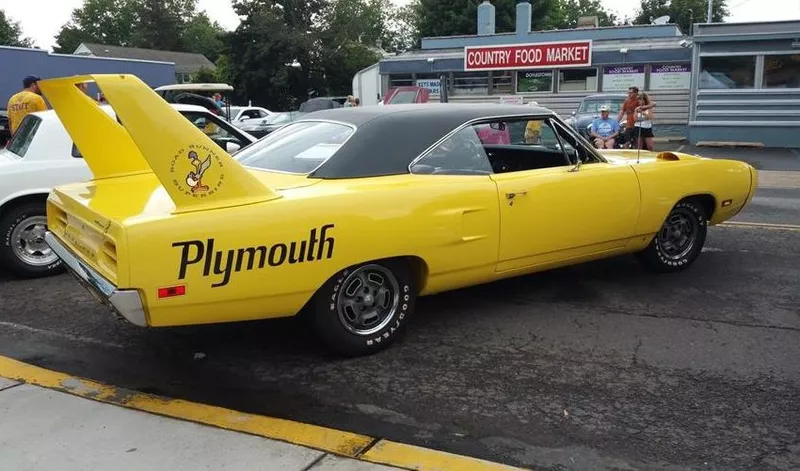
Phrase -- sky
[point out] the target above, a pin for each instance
(43, 27)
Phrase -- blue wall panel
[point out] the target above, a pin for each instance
(16, 63)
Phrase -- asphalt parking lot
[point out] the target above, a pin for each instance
(600, 366)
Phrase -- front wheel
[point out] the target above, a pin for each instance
(364, 309)
(23, 250)
(679, 241)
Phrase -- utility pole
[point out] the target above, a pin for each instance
(708, 17)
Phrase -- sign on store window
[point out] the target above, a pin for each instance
(670, 76)
(620, 78)
(528, 56)
(531, 82)
(434, 85)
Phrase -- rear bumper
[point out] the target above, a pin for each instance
(125, 303)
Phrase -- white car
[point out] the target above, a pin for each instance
(42, 155)
(243, 114)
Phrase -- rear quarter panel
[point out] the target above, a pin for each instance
(665, 183)
(268, 259)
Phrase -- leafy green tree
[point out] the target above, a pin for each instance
(567, 13)
(271, 35)
(11, 33)
(203, 36)
(101, 21)
(160, 24)
(205, 75)
(681, 12)
(460, 17)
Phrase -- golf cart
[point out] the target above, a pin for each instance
(198, 94)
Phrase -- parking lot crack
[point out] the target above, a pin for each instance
(634, 360)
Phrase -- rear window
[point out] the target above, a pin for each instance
(25, 132)
(299, 147)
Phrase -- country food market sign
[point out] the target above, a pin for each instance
(529, 56)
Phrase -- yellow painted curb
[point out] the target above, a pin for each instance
(334, 441)
(321, 438)
(413, 457)
(761, 225)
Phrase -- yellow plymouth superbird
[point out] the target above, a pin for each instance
(348, 215)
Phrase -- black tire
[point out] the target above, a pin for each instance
(17, 217)
(331, 324)
(662, 255)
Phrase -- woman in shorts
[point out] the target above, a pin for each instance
(643, 127)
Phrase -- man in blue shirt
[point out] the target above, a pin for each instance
(604, 130)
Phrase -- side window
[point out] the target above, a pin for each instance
(500, 146)
(217, 130)
(76, 152)
(460, 154)
(574, 147)
(22, 139)
(251, 114)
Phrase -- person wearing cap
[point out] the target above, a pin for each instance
(25, 102)
(604, 130)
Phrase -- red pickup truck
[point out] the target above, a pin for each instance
(403, 95)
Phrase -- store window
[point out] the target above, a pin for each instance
(782, 71)
(471, 83)
(728, 72)
(402, 80)
(577, 80)
(535, 81)
(502, 82)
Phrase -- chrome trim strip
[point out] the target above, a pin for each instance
(126, 303)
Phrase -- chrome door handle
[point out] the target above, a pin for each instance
(516, 193)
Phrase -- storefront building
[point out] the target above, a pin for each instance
(746, 86)
(557, 69)
(731, 82)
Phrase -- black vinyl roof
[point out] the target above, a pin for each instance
(389, 138)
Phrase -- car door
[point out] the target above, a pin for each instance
(556, 211)
(228, 137)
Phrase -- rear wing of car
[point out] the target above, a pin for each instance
(148, 136)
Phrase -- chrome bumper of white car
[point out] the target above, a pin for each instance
(127, 304)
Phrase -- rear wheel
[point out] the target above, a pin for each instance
(365, 308)
(679, 241)
(23, 250)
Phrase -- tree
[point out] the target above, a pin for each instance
(681, 12)
(568, 12)
(101, 21)
(160, 24)
(203, 36)
(460, 17)
(205, 75)
(11, 33)
(173, 25)
(271, 35)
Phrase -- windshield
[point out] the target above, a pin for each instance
(404, 97)
(593, 106)
(24, 136)
(300, 147)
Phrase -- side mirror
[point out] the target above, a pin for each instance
(232, 147)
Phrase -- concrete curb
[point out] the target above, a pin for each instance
(337, 442)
